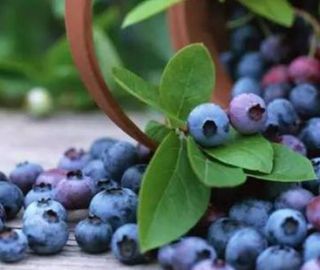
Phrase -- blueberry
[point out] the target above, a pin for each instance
(245, 38)
(75, 191)
(311, 265)
(39, 207)
(310, 135)
(313, 185)
(274, 49)
(306, 100)
(25, 175)
(248, 114)
(294, 143)
(95, 170)
(52, 177)
(38, 192)
(279, 258)
(274, 189)
(313, 212)
(244, 247)
(3, 215)
(74, 159)
(246, 85)
(105, 184)
(13, 245)
(221, 231)
(295, 198)
(311, 247)
(101, 145)
(47, 234)
(212, 265)
(125, 245)
(252, 212)
(275, 91)
(305, 69)
(286, 227)
(251, 65)
(93, 235)
(115, 206)
(165, 255)
(208, 124)
(132, 177)
(11, 198)
(276, 75)
(282, 117)
(228, 60)
(3, 177)
(118, 158)
(190, 251)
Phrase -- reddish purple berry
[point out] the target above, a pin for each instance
(74, 159)
(313, 212)
(75, 191)
(212, 265)
(305, 69)
(277, 74)
(52, 177)
(294, 144)
(248, 113)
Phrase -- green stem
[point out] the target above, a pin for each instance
(236, 23)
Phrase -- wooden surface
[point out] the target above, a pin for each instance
(44, 141)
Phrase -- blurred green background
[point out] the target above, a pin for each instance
(34, 53)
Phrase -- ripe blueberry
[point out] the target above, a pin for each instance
(38, 192)
(118, 158)
(311, 265)
(279, 258)
(306, 100)
(294, 143)
(286, 227)
(100, 145)
(165, 255)
(246, 85)
(93, 235)
(132, 177)
(274, 49)
(75, 191)
(245, 38)
(212, 265)
(310, 135)
(13, 245)
(190, 251)
(313, 185)
(95, 170)
(52, 177)
(244, 247)
(47, 234)
(115, 206)
(73, 160)
(251, 65)
(248, 114)
(275, 91)
(11, 198)
(208, 124)
(311, 247)
(25, 175)
(125, 245)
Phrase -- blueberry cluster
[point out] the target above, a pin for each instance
(105, 180)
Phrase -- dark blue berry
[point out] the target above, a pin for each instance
(13, 245)
(310, 135)
(245, 38)
(74, 159)
(246, 85)
(279, 258)
(208, 124)
(251, 65)
(95, 170)
(311, 247)
(125, 245)
(165, 255)
(38, 192)
(93, 235)
(3, 177)
(275, 91)
(25, 175)
(132, 177)
(101, 145)
(11, 198)
(115, 206)
(274, 49)
(47, 234)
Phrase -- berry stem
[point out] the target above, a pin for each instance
(307, 17)
(232, 24)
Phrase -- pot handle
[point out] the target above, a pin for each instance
(78, 20)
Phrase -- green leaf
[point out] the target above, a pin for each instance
(146, 10)
(248, 152)
(278, 11)
(187, 81)
(213, 173)
(172, 200)
(288, 166)
(157, 131)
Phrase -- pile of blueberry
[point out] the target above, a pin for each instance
(82, 180)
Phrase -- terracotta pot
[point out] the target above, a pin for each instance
(190, 22)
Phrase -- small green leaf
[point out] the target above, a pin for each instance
(172, 200)
(187, 81)
(157, 131)
(137, 87)
(278, 11)
(147, 9)
(288, 166)
(253, 153)
(213, 173)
